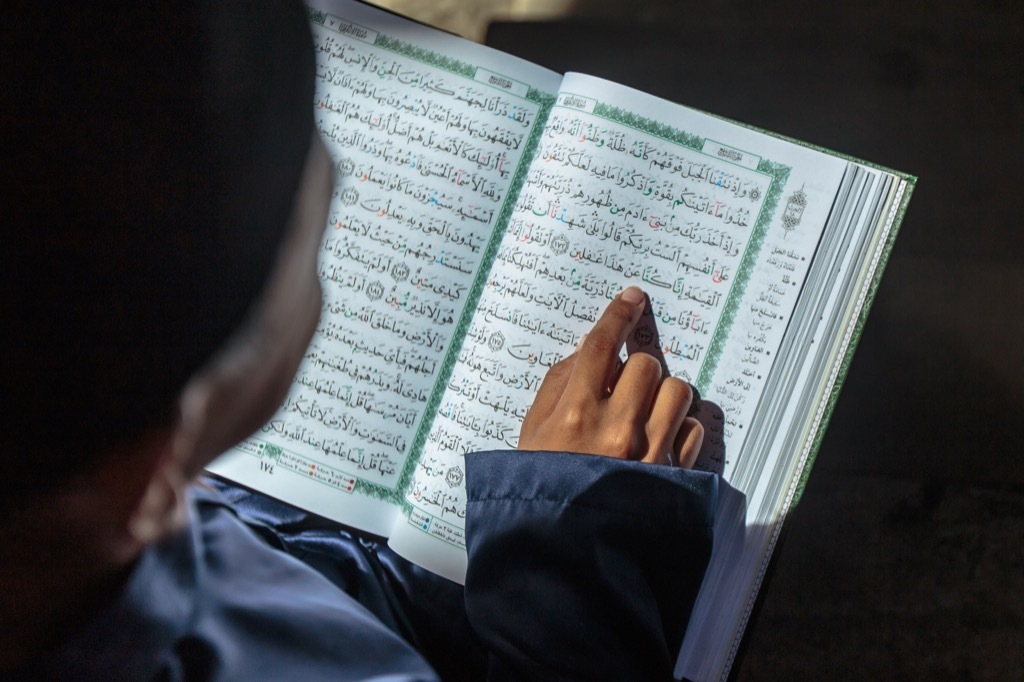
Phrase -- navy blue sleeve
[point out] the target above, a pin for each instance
(583, 567)
(580, 567)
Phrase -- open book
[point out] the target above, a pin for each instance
(486, 210)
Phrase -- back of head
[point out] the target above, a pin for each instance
(151, 157)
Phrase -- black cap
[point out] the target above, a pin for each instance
(151, 153)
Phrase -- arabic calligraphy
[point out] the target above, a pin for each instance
(423, 162)
(601, 207)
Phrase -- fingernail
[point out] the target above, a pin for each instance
(582, 339)
(633, 295)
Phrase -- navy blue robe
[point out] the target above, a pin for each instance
(580, 567)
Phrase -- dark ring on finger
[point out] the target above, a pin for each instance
(696, 403)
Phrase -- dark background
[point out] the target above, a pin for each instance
(905, 557)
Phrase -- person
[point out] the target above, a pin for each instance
(165, 196)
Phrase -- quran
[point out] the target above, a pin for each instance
(485, 211)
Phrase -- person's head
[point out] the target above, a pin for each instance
(164, 194)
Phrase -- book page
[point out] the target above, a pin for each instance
(427, 132)
(792, 412)
(718, 223)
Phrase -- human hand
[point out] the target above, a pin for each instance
(592, 403)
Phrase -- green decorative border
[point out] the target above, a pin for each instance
(376, 490)
(403, 48)
(911, 179)
(858, 329)
(649, 126)
(273, 452)
(430, 57)
(777, 172)
(545, 101)
(316, 16)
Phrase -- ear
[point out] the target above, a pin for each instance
(195, 418)
(106, 513)
(160, 508)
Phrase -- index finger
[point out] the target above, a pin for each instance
(645, 338)
(598, 356)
